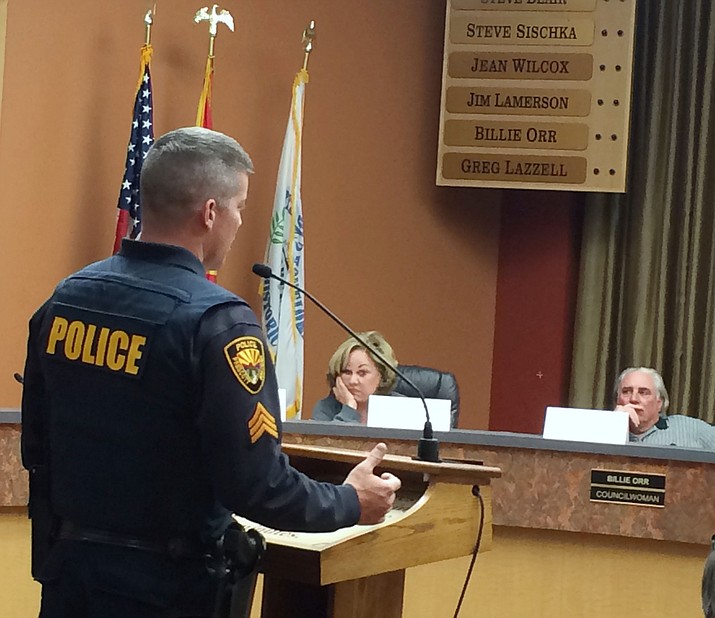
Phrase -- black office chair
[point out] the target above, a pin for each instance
(433, 383)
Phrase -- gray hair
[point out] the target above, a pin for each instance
(186, 167)
(657, 381)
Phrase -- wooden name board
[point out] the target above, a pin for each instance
(536, 94)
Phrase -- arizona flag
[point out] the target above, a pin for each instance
(204, 118)
(283, 309)
(142, 136)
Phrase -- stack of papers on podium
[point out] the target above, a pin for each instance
(583, 425)
(282, 402)
(408, 412)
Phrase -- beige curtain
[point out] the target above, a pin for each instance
(647, 279)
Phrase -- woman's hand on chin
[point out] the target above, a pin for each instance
(342, 394)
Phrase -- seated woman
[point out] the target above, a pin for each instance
(355, 373)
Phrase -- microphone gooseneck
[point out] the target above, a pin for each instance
(428, 445)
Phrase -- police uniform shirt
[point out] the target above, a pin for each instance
(149, 392)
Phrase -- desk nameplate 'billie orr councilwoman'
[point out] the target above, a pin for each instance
(626, 487)
(549, 78)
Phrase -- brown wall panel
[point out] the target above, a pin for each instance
(536, 292)
(385, 247)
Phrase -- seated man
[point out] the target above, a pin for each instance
(640, 391)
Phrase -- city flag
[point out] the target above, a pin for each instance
(283, 310)
(141, 137)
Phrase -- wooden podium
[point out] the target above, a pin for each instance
(359, 572)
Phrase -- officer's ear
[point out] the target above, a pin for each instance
(208, 213)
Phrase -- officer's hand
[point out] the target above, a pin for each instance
(375, 493)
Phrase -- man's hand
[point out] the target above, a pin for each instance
(375, 493)
(633, 419)
(343, 395)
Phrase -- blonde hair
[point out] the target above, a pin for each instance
(375, 341)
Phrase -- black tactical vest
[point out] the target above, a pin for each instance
(121, 376)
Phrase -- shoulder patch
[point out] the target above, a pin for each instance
(247, 360)
(261, 422)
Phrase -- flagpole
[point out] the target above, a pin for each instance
(140, 138)
(308, 40)
(148, 21)
(214, 18)
(204, 113)
(283, 315)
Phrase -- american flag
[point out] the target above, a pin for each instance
(142, 136)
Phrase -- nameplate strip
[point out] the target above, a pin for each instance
(625, 487)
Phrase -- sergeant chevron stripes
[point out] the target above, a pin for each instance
(262, 422)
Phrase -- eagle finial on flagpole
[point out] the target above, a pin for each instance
(148, 22)
(308, 41)
(214, 18)
(204, 114)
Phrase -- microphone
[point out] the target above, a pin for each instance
(428, 445)
(18, 377)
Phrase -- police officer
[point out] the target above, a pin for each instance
(150, 400)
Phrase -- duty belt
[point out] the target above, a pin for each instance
(178, 547)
